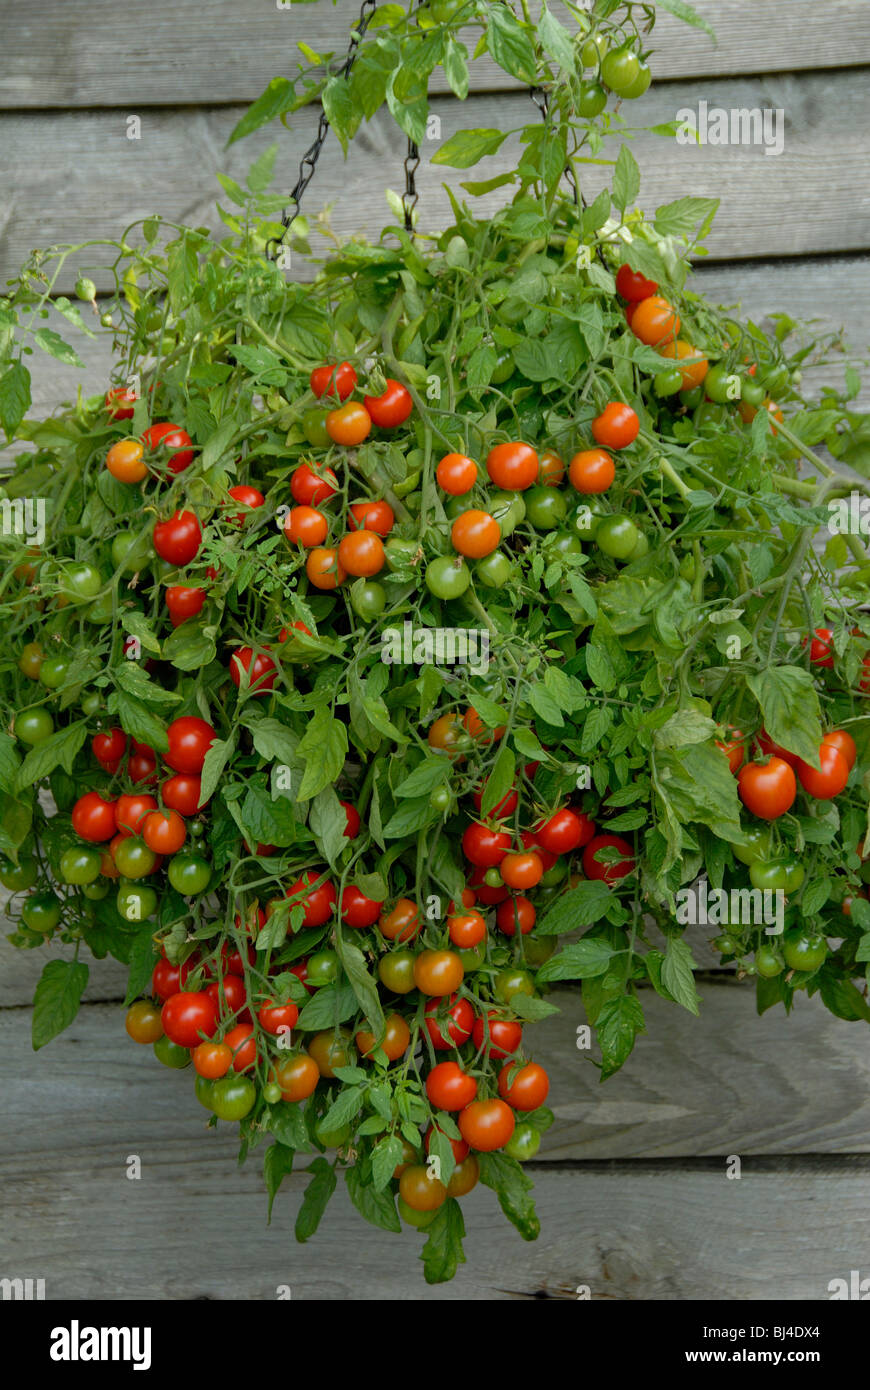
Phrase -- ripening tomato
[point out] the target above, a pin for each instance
(466, 929)
(318, 902)
(565, 831)
(181, 793)
(310, 488)
(164, 831)
(178, 539)
(734, 747)
(475, 534)
(297, 1076)
(350, 424)
(515, 911)
(174, 440)
(633, 286)
(187, 1015)
(438, 973)
(821, 653)
(591, 471)
(521, 870)
(120, 402)
(189, 740)
(125, 461)
(377, 516)
(250, 498)
(447, 735)
(616, 427)
(524, 1089)
(392, 407)
(419, 1190)
(486, 1124)
(361, 553)
(456, 474)
(767, 746)
(690, 363)
(277, 1018)
(551, 469)
(830, 779)
(513, 466)
(452, 1028)
(305, 526)
(483, 846)
(610, 872)
(394, 1042)
(143, 1022)
(331, 1050)
(448, 1087)
(499, 1037)
(358, 910)
(767, 789)
(110, 747)
(402, 922)
(183, 603)
(333, 380)
(323, 568)
(478, 730)
(93, 818)
(212, 1059)
(484, 891)
(654, 320)
(844, 742)
(260, 670)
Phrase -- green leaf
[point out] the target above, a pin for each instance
(386, 1156)
(354, 963)
(466, 147)
(510, 45)
(141, 961)
(216, 760)
(273, 102)
(330, 1005)
(277, 1163)
(556, 40)
(378, 1208)
(510, 1184)
(841, 997)
(443, 1254)
(579, 907)
(131, 676)
(412, 815)
(138, 721)
(54, 345)
(339, 107)
(181, 274)
(545, 705)
(323, 749)
(137, 625)
(327, 821)
(790, 706)
(531, 1009)
(58, 750)
(617, 1026)
(677, 976)
(15, 397)
(580, 961)
(271, 822)
(681, 10)
(274, 741)
(456, 68)
(262, 171)
(478, 187)
(681, 217)
(626, 178)
(500, 780)
(190, 646)
(317, 1195)
(10, 761)
(424, 778)
(57, 999)
(286, 1120)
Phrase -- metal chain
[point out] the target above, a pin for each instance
(309, 160)
(410, 196)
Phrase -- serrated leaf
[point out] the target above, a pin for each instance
(316, 1198)
(57, 999)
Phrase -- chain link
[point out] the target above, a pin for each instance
(309, 160)
(410, 196)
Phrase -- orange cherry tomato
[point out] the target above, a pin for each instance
(456, 474)
(654, 320)
(297, 1076)
(437, 973)
(323, 568)
(522, 870)
(394, 1043)
(402, 922)
(475, 534)
(350, 424)
(164, 831)
(371, 516)
(361, 553)
(212, 1059)
(692, 364)
(305, 526)
(617, 426)
(478, 730)
(125, 461)
(551, 469)
(513, 466)
(591, 471)
(466, 929)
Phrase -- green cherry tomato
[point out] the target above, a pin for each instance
(80, 865)
(314, 428)
(323, 968)
(692, 399)
(447, 577)
(538, 949)
(472, 957)
(757, 848)
(751, 391)
(131, 552)
(136, 902)
(17, 877)
(617, 536)
(668, 383)
(78, 583)
(399, 554)
(91, 704)
(795, 873)
(803, 950)
(171, 1054)
(189, 874)
(640, 85)
(768, 875)
(555, 874)
(775, 379)
(494, 570)
(396, 971)
(641, 548)
(30, 660)
(509, 509)
(203, 1088)
(510, 982)
(418, 1219)
(368, 598)
(726, 945)
(233, 1097)
(710, 416)
(503, 368)
(593, 50)
(441, 800)
(133, 858)
(524, 1142)
(619, 69)
(559, 543)
(54, 671)
(768, 962)
(41, 912)
(546, 508)
(334, 1138)
(591, 100)
(101, 610)
(493, 879)
(96, 891)
(586, 519)
(721, 385)
(33, 726)
(272, 1092)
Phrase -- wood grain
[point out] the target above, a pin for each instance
(67, 54)
(78, 177)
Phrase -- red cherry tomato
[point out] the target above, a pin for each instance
(821, 651)
(187, 1016)
(358, 910)
(616, 427)
(318, 902)
(633, 286)
(516, 910)
(174, 440)
(483, 846)
(392, 408)
(178, 539)
(767, 789)
(566, 830)
(505, 1035)
(830, 779)
(182, 793)
(249, 497)
(93, 818)
(260, 670)
(371, 516)
(189, 740)
(110, 747)
(310, 488)
(183, 603)
(456, 1025)
(333, 381)
(608, 872)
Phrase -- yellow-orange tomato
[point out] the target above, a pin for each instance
(551, 469)
(306, 526)
(125, 461)
(419, 1190)
(522, 870)
(361, 553)
(297, 1076)
(402, 922)
(591, 471)
(475, 534)
(323, 569)
(212, 1059)
(394, 1043)
(465, 1176)
(447, 735)
(692, 364)
(478, 730)
(655, 319)
(350, 424)
(438, 972)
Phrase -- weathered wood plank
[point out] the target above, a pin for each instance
(74, 55)
(721, 1083)
(79, 177)
(621, 1233)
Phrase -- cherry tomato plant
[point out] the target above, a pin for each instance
(344, 870)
